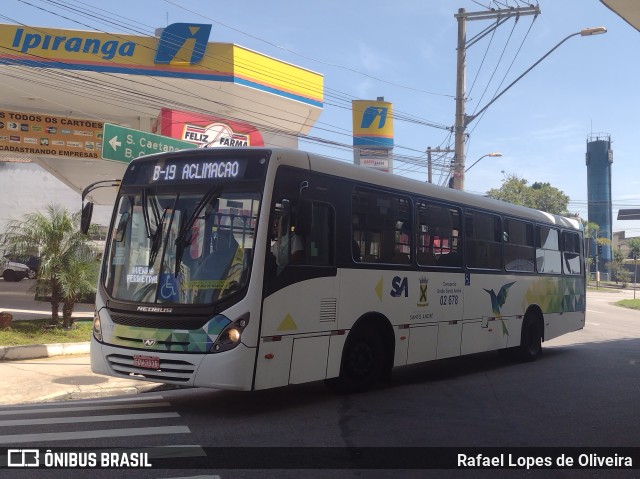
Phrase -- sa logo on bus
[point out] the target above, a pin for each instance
(399, 287)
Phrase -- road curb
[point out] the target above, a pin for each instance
(99, 393)
(33, 351)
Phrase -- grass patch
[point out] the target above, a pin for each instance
(603, 289)
(40, 331)
(629, 303)
(606, 287)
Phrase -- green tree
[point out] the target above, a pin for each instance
(591, 230)
(68, 260)
(541, 196)
(617, 269)
(634, 251)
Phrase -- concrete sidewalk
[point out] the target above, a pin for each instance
(58, 372)
(61, 378)
(52, 372)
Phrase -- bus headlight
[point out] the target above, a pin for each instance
(97, 328)
(230, 336)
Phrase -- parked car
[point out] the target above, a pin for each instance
(14, 271)
(33, 262)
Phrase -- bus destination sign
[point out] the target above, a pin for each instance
(197, 170)
(188, 169)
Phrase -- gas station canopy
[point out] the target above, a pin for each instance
(629, 10)
(61, 86)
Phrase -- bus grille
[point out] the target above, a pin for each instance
(176, 371)
(155, 322)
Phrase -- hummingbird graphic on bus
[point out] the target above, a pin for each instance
(497, 301)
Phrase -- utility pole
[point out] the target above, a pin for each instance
(429, 163)
(461, 123)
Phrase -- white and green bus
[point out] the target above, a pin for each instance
(253, 268)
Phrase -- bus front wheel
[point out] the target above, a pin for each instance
(362, 362)
(531, 338)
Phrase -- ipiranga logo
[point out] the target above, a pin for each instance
(175, 37)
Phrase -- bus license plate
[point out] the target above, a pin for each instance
(146, 362)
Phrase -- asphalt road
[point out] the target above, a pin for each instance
(17, 298)
(584, 392)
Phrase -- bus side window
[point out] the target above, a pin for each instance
(484, 236)
(317, 223)
(519, 253)
(548, 250)
(437, 235)
(383, 230)
(571, 253)
(302, 234)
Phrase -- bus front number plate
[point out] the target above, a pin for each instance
(146, 362)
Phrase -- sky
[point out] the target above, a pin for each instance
(405, 51)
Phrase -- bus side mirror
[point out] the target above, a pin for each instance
(85, 217)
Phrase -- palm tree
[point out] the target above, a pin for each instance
(591, 230)
(68, 260)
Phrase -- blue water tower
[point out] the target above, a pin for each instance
(599, 160)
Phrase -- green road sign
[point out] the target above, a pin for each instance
(125, 144)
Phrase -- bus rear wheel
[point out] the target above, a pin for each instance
(362, 362)
(530, 347)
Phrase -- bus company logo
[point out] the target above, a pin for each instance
(13, 126)
(31, 141)
(52, 130)
(174, 38)
(65, 131)
(149, 343)
(24, 126)
(424, 287)
(214, 135)
(37, 128)
(14, 139)
(399, 287)
(23, 458)
(371, 114)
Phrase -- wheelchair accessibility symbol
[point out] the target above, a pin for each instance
(169, 288)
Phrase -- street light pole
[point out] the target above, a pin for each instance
(462, 120)
(492, 155)
(586, 32)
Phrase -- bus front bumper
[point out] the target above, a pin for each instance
(231, 369)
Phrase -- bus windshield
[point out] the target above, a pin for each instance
(179, 247)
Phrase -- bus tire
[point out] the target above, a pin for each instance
(362, 362)
(530, 347)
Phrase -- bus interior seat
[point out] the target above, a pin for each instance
(449, 259)
(216, 266)
(426, 259)
(400, 258)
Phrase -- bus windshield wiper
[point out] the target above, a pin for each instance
(156, 239)
(145, 213)
(184, 239)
